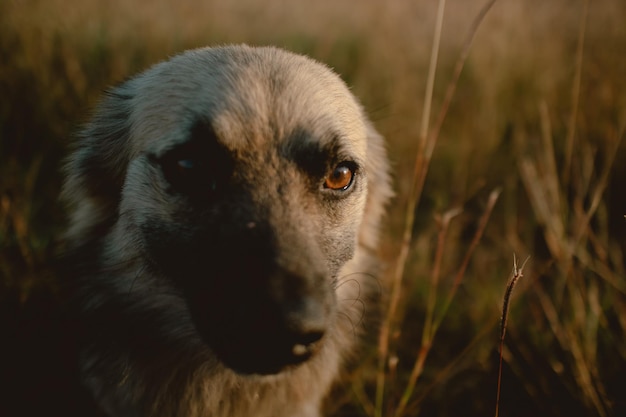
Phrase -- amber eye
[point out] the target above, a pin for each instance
(340, 178)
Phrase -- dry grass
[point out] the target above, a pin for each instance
(533, 106)
(510, 286)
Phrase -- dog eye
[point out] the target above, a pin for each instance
(191, 176)
(187, 169)
(200, 167)
(186, 165)
(341, 177)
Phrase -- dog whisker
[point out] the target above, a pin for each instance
(137, 275)
(214, 200)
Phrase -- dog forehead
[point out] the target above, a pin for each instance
(248, 95)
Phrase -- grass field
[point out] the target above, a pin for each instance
(530, 159)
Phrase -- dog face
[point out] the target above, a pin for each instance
(243, 180)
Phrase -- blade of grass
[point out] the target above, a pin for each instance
(432, 324)
(419, 174)
(443, 222)
(412, 408)
(571, 128)
(458, 68)
(515, 276)
(596, 195)
(569, 341)
(549, 163)
(482, 224)
(423, 157)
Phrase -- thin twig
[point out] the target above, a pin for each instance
(515, 276)
(482, 224)
(444, 222)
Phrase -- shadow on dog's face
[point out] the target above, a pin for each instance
(255, 239)
(244, 188)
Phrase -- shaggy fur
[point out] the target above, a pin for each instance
(224, 215)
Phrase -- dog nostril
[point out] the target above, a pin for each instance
(310, 337)
(305, 343)
(304, 339)
(306, 325)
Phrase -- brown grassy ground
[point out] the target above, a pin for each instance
(536, 113)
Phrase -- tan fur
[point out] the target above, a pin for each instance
(142, 354)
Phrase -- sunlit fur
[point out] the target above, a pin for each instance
(142, 353)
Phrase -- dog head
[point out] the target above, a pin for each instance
(244, 179)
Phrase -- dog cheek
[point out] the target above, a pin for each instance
(339, 244)
(341, 232)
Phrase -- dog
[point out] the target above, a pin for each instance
(224, 214)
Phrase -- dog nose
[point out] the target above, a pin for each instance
(306, 324)
(303, 342)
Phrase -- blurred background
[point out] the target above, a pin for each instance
(538, 113)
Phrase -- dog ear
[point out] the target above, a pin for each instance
(95, 170)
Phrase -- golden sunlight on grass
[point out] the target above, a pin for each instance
(518, 134)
